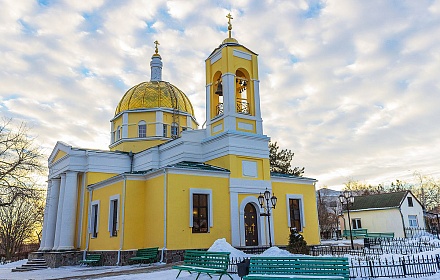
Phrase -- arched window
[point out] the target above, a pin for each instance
(174, 130)
(142, 129)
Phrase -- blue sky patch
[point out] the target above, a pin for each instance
(26, 28)
(314, 9)
(93, 21)
(43, 2)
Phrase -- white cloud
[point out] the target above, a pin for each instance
(351, 87)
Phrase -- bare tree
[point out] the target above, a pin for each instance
(19, 222)
(20, 161)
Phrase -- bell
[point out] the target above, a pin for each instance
(219, 90)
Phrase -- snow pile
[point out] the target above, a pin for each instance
(276, 252)
(220, 245)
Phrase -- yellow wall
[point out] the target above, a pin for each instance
(96, 177)
(59, 155)
(179, 234)
(234, 164)
(137, 146)
(104, 240)
(311, 228)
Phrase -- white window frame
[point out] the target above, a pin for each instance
(354, 222)
(142, 124)
(210, 206)
(91, 221)
(301, 207)
(118, 133)
(165, 130)
(413, 218)
(174, 129)
(110, 214)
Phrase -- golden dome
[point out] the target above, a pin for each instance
(154, 94)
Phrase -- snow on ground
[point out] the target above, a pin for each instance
(157, 272)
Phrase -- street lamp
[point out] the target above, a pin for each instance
(273, 200)
(347, 198)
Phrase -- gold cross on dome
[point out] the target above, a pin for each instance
(157, 43)
(229, 23)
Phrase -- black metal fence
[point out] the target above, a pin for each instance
(420, 232)
(365, 262)
(409, 266)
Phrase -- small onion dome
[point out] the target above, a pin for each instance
(155, 94)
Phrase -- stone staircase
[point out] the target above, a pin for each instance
(34, 264)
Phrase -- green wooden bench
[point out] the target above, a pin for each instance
(91, 259)
(204, 262)
(145, 255)
(380, 235)
(301, 267)
(355, 233)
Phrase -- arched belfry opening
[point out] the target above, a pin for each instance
(242, 92)
(217, 95)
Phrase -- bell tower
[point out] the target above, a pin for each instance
(232, 89)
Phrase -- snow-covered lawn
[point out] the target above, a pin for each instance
(156, 272)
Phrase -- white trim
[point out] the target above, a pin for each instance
(261, 226)
(210, 205)
(301, 206)
(110, 211)
(216, 57)
(93, 203)
(242, 54)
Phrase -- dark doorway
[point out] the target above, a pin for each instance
(250, 225)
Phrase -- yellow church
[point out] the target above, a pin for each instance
(166, 183)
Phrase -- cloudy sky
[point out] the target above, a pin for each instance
(352, 87)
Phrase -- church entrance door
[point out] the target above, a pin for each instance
(250, 225)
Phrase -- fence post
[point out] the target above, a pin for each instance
(437, 260)
(370, 264)
(403, 266)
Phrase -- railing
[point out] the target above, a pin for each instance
(219, 109)
(242, 106)
(418, 232)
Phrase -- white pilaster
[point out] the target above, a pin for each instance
(59, 212)
(46, 210)
(159, 123)
(235, 230)
(53, 197)
(124, 125)
(259, 120)
(68, 223)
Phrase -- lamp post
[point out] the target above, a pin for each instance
(347, 198)
(266, 206)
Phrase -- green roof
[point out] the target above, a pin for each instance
(197, 165)
(378, 201)
(283, 175)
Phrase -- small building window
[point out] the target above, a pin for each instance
(142, 129)
(410, 202)
(295, 214)
(113, 216)
(165, 130)
(94, 219)
(356, 223)
(413, 221)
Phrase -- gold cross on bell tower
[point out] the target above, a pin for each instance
(157, 50)
(229, 24)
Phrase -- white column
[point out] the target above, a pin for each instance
(159, 123)
(59, 212)
(46, 210)
(52, 204)
(68, 223)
